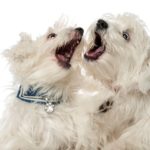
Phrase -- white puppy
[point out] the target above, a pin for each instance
(118, 55)
(35, 117)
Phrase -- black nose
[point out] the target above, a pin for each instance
(79, 29)
(101, 24)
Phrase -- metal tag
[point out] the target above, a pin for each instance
(49, 108)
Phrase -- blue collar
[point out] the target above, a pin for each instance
(33, 96)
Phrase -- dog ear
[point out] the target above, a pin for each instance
(20, 51)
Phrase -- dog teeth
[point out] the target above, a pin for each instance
(78, 42)
(67, 55)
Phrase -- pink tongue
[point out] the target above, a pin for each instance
(96, 52)
(62, 58)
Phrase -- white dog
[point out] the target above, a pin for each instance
(118, 55)
(42, 68)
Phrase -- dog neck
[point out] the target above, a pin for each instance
(50, 97)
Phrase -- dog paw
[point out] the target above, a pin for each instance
(106, 106)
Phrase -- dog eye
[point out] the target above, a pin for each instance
(51, 35)
(126, 36)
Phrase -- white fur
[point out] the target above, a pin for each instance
(124, 66)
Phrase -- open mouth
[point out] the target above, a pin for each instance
(97, 50)
(66, 51)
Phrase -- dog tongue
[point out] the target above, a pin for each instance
(96, 53)
(62, 58)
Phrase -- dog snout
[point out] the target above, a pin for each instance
(80, 30)
(101, 25)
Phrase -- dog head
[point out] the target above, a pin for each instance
(117, 48)
(47, 59)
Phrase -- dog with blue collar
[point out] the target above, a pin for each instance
(43, 70)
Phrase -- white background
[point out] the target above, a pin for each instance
(35, 16)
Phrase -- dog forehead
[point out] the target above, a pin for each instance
(129, 19)
(125, 18)
(63, 30)
(50, 30)
(126, 21)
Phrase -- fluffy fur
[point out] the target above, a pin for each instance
(74, 122)
(124, 67)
